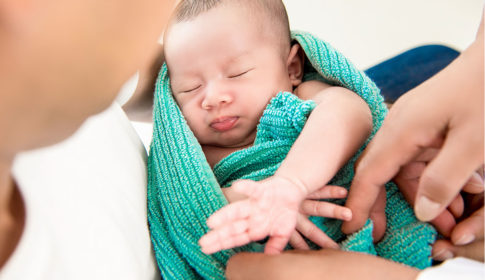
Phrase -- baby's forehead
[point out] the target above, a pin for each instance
(250, 19)
(259, 14)
(240, 9)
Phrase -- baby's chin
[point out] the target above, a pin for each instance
(233, 142)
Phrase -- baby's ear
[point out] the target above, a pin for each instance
(295, 63)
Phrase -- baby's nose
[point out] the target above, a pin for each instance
(217, 94)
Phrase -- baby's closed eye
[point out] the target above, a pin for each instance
(239, 73)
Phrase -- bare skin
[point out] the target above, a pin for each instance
(323, 264)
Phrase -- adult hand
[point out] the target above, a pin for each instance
(464, 239)
(408, 181)
(321, 264)
(467, 236)
(445, 112)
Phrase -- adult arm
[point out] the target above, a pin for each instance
(322, 264)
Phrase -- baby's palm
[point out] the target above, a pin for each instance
(271, 209)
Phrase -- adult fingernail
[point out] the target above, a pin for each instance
(465, 239)
(426, 209)
(442, 255)
(477, 180)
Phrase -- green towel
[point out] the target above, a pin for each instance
(183, 191)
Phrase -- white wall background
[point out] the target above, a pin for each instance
(368, 31)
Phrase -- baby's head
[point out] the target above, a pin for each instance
(226, 60)
(268, 16)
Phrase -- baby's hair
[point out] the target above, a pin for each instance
(272, 10)
(189, 9)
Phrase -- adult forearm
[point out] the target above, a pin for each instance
(322, 264)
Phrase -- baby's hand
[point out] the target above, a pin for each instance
(312, 206)
(271, 209)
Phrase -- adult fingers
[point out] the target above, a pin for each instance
(475, 183)
(469, 229)
(444, 249)
(378, 216)
(325, 209)
(444, 177)
(380, 161)
(457, 206)
(444, 223)
(313, 233)
(466, 240)
(406, 131)
(408, 182)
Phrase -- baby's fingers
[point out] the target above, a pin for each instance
(297, 241)
(328, 192)
(325, 209)
(313, 233)
(226, 237)
(276, 244)
(229, 213)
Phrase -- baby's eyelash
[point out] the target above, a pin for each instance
(190, 90)
(240, 74)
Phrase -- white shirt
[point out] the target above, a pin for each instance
(85, 206)
(456, 268)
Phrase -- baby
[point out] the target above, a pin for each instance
(227, 60)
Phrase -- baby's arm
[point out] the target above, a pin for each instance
(336, 128)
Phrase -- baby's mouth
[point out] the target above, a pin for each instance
(222, 124)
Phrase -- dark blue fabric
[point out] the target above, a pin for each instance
(405, 71)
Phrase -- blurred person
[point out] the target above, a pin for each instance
(60, 63)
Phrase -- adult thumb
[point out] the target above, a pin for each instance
(446, 175)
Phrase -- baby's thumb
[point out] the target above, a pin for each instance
(246, 187)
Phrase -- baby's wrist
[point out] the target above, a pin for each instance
(297, 183)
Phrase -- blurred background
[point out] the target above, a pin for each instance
(369, 31)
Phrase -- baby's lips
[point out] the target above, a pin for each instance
(222, 124)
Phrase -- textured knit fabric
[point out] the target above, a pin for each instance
(183, 190)
(406, 239)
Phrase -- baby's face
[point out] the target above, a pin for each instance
(223, 73)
